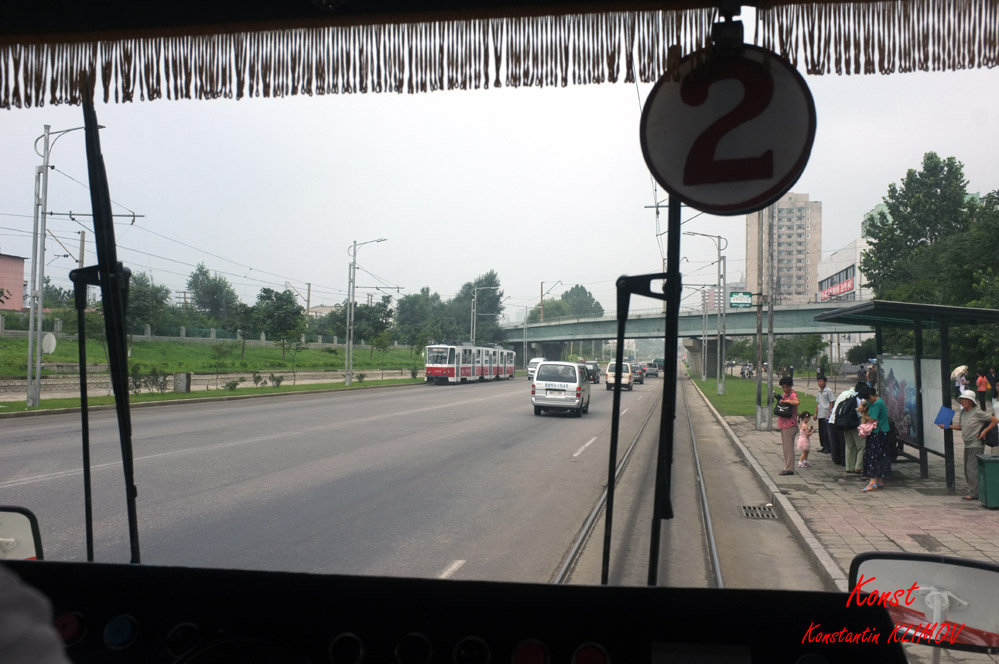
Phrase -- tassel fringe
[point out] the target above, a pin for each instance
(400, 58)
(863, 37)
(884, 37)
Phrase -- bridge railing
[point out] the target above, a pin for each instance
(658, 311)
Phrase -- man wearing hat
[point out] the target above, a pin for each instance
(973, 424)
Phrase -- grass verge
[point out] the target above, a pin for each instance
(740, 396)
(147, 397)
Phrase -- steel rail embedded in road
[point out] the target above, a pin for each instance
(562, 576)
(709, 532)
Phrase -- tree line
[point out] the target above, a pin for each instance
(415, 319)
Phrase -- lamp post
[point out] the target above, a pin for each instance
(37, 292)
(720, 303)
(475, 297)
(351, 288)
(542, 303)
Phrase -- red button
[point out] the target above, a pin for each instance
(590, 653)
(70, 627)
(530, 652)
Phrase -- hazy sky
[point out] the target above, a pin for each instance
(540, 185)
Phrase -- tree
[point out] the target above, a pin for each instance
(924, 216)
(862, 352)
(212, 294)
(370, 320)
(456, 316)
(581, 302)
(147, 302)
(554, 308)
(416, 317)
(279, 315)
(54, 297)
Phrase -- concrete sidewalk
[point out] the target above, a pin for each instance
(836, 521)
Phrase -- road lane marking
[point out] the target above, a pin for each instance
(451, 569)
(625, 411)
(580, 450)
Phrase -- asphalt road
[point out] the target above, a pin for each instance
(461, 481)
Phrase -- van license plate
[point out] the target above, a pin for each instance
(556, 393)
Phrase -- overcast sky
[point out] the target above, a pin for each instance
(541, 185)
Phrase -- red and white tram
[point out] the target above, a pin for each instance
(460, 364)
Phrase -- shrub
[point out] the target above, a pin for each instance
(257, 378)
(413, 371)
(276, 380)
(361, 377)
(233, 384)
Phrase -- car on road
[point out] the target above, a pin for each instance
(532, 366)
(594, 369)
(637, 373)
(561, 386)
(651, 369)
(611, 375)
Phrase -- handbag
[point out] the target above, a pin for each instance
(783, 409)
(866, 429)
(992, 437)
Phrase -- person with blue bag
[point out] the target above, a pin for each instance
(974, 425)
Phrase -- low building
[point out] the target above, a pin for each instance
(12, 282)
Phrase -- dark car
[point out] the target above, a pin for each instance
(637, 373)
(593, 371)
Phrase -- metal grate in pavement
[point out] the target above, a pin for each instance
(759, 512)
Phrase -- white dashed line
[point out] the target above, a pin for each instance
(580, 450)
(451, 569)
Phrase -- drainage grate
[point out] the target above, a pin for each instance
(759, 512)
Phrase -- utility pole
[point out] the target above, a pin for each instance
(351, 290)
(772, 251)
(308, 296)
(761, 219)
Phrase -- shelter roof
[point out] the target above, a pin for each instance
(906, 314)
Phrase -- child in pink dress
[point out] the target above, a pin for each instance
(805, 429)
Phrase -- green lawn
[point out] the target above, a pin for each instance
(740, 396)
(201, 358)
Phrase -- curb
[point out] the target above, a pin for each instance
(834, 575)
(174, 402)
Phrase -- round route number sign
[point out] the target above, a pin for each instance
(731, 133)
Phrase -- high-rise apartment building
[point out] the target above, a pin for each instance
(798, 245)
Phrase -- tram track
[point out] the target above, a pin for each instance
(593, 518)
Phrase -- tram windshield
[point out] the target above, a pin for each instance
(264, 232)
(437, 356)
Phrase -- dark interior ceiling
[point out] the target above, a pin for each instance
(47, 18)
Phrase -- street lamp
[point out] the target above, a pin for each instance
(721, 304)
(351, 288)
(543, 293)
(475, 298)
(37, 293)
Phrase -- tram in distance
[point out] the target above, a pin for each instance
(462, 363)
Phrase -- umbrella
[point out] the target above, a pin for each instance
(963, 369)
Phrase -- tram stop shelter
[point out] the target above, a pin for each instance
(917, 317)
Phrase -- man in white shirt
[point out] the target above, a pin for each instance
(823, 405)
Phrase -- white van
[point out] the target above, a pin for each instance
(532, 366)
(561, 386)
(610, 376)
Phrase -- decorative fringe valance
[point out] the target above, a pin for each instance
(843, 37)
(415, 57)
(883, 37)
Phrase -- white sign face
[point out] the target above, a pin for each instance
(48, 343)
(739, 299)
(732, 133)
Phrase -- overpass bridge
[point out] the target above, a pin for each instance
(651, 324)
(549, 338)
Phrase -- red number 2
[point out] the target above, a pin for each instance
(702, 167)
